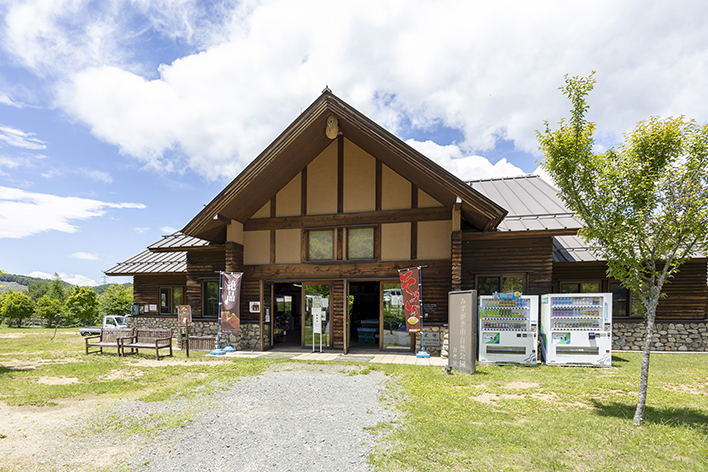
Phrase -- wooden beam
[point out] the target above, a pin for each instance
(348, 219)
(340, 174)
(303, 191)
(379, 185)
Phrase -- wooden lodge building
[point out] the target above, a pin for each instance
(330, 211)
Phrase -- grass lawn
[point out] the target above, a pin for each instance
(504, 418)
(507, 418)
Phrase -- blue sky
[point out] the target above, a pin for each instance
(120, 119)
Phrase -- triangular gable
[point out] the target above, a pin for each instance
(304, 140)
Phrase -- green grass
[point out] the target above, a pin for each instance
(503, 418)
(551, 418)
(35, 367)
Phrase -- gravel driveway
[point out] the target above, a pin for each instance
(294, 417)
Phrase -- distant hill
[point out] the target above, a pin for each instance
(14, 286)
(24, 279)
(19, 283)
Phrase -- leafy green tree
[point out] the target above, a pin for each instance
(57, 290)
(82, 305)
(50, 309)
(18, 306)
(3, 295)
(116, 300)
(37, 290)
(644, 204)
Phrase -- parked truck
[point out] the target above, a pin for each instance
(109, 321)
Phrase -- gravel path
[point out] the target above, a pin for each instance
(294, 418)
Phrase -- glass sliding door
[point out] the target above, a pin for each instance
(317, 298)
(394, 324)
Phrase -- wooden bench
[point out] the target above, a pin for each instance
(109, 337)
(144, 338)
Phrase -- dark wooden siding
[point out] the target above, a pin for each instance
(146, 288)
(686, 294)
(201, 265)
(338, 302)
(532, 256)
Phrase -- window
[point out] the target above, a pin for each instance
(360, 243)
(210, 292)
(488, 284)
(170, 299)
(581, 287)
(320, 245)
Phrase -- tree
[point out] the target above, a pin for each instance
(83, 305)
(56, 289)
(37, 290)
(49, 309)
(116, 300)
(644, 204)
(17, 306)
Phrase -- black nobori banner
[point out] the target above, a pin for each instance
(230, 302)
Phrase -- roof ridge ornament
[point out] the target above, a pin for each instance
(327, 89)
(332, 128)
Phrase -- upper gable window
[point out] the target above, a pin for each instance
(360, 243)
(320, 245)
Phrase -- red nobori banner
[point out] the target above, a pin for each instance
(410, 288)
(231, 302)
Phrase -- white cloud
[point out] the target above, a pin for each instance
(464, 167)
(168, 230)
(142, 230)
(25, 213)
(6, 100)
(86, 255)
(490, 70)
(17, 138)
(73, 279)
(97, 175)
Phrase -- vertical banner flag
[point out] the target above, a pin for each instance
(230, 302)
(410, 288)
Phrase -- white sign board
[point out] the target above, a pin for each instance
(317, 320)
(463, 330)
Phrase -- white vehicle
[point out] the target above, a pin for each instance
(393, 297)
(109, 321)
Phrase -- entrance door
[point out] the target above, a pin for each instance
(364, 315)
(287, 314)
(395, 334)
(317, 301)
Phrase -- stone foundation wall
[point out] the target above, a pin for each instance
(248, 340)
(433, 350)
(667, 336)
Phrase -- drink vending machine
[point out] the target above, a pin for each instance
(508, 329)
(576, 329)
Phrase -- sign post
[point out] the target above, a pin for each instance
(316, 321)
(463, 330)
(184, 318)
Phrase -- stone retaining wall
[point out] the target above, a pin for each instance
(667, 336)
(433, 350)
(248, 340)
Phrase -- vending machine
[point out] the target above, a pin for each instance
(508, 329)
(576, 329)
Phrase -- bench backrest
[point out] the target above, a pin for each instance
(146, 335)
(111, 334)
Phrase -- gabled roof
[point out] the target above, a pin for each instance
(573, 249)
(179, 242)
(148, 262)
(304, 140)
(532, 203)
